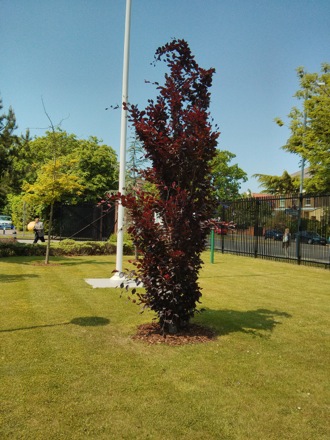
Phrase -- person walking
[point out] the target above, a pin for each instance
(286, 240)
(38, 230)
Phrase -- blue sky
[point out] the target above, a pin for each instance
(70, 53)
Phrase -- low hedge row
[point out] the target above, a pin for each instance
(12, 248)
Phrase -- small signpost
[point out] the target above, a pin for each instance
(292, 212)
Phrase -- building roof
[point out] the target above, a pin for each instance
(307, 173)
(261, 195)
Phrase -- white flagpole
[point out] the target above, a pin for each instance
(116, 280)
(123, 134)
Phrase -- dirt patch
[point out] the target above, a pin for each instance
(42, 263)
(194, 334)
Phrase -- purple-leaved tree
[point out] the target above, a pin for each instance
(170, 224)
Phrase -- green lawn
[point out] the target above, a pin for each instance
(70, 369)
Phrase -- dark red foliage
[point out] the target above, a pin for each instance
(169, 226)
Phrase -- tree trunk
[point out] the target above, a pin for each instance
(49, 231)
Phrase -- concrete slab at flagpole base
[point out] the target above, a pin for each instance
(114, 281)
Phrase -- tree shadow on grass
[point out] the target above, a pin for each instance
(59, 261)
(249, 275)
(260, 322)
(85, 321)
(73, 261)
(6, 278)
(90, 321)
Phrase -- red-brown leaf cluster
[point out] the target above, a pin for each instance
(169, 224)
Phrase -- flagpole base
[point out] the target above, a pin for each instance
(114, 282)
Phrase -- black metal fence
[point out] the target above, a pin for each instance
(260, 222)
(83, 222)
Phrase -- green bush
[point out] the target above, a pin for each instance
(15, 249)
(62, 248)
(128, 240)
(71, 247)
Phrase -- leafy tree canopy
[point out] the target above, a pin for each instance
(7, 138)
(7, 128)
(54, 180)
(31, 154)
(97, 168)
(310, 127)
(94, 163)
(136, 163)
(226, 178)
(284, 184)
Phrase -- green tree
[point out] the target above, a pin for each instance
(21, 212)
(97, 168)
(54, 180)
(284, 184)
(94, 163)
(33, 153)
(310, 127)
(136, 161)
(226, 178)
(20, 167)
(7, 139)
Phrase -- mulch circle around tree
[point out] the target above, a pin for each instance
(194, 334)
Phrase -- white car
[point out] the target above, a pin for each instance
(5, 222)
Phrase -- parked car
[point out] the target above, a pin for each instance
(273, 234)
(5, 222)
(310, 237)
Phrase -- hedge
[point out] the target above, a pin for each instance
(12, 248)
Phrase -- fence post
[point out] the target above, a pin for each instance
(298, 247)
(224, 219)
(256, 229)
(212, 246)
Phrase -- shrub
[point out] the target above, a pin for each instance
(169, 225)
(128, 239)
(63, 248)
(16, 249)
